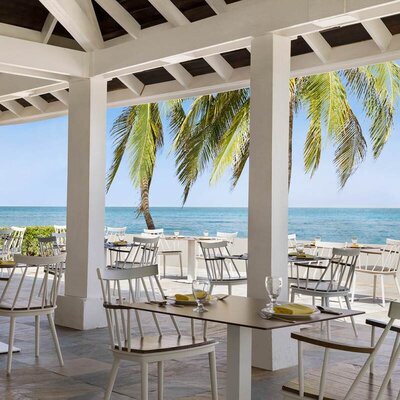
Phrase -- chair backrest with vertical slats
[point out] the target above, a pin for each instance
(391, 255)
(30, 285)
(5, 242)
(292, 241)
(16, 239)
(143, 252)
(60, 228)
(124, 322)
(337, 276)
(48, 246)
(218, 268)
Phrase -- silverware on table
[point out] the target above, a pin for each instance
(272, 316)
(223, 297)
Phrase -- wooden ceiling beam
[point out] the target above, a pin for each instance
(77, 19)
(218, 6)
(379, 33)
(132, 83)
(319, 45)
(48, 28)
(14, 107)
(37, 102)
(61, 95)
(180, 74)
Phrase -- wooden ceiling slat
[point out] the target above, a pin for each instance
(392, 23)
(237, 58)
(197, 67)
(48, 97)
(144, 12)
(156, 75)
(300, 46)
(194, 10)
(346, 35)
(23, 102)
(29, 14)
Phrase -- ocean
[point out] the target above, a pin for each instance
(370, 225)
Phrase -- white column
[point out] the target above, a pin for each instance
(268, 187)
(81, 306)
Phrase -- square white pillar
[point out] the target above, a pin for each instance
(268, 187)
(81, 306)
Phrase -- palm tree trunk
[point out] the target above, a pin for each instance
(290, 150)
(144, 207)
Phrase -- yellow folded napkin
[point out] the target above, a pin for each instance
(7, 263)
(188, 297)
(120, 242)
(355, 245)
(293, 308)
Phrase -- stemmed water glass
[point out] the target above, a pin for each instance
(274, 286)
(205, 233)
(201, 289)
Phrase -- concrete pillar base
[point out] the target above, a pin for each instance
(80, 313)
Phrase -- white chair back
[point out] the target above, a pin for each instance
(336, 277)
(218, 268)
(387, 262)
(5, 243)
(143, 252)
(60, 228)
(61, 239)
(48, 246)
(127, 283)
(158, 232)
(292, 241)
(229, 237)
(24, 291)
(17, 238)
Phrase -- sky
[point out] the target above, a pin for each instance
(34, 172)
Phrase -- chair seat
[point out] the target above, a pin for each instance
(322, 287)
(157, 344)
(170, 252)
(374, 269)
(21, 305)
(338, 382)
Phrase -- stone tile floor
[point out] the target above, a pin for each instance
(88, 361)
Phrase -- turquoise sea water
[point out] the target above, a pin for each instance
(370, 225)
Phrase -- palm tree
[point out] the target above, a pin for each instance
(138, 133)
(215, 130)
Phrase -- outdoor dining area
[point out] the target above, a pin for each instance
(157, 318)
(100, 313)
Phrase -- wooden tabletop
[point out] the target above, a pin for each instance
(235, 310)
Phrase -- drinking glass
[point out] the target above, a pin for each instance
(106, 235)
(317, 240)
(176, 233)
(205, 233)
(299, 248)
(201, 289)
(354, 240)
(274, 287)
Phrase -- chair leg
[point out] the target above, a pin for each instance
(353, 322)
(164, 264)
(383, 290)
(213, 375)
(111, 381)
(10, 344)
(145, 381)
(37, 335)
(353, 289)
(55, 338)
(160, 374)
(229, 289)
(211, 288)
(374, 292)
(292, 296)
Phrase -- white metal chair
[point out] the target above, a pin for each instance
(360, 388)
(17, 237)
(23, 296)
(229, 237)
(143, 348)
(386, 264)
(5, 243)
(48, 246)
(60, 228)
(165, 249)
(61, 239)
(221, 271)
(143, 252)
(335, 279)
(292, 241)
(115, 234)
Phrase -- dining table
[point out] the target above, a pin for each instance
(241, 315)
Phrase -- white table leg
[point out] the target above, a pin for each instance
(238, 385)
(191, 261)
